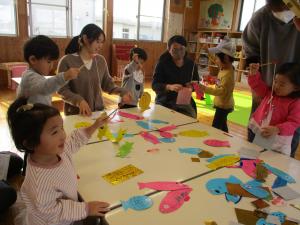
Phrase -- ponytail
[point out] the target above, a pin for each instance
(73, 46)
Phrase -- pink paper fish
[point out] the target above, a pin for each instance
(163, 185)
(199, 93)
(149, 137)
(166, 134)
(174, 200)
(248, 166)
(167, 128)
(216, 143)
(130, 116)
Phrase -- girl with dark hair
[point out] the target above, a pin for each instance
(173, 72)
(278, 115)
(84, 95)
(49, 190)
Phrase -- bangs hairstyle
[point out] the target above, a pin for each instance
(92, 32)
(292, 72)
(41, 47)
(177, 39)
(26, 126)
(140, 52)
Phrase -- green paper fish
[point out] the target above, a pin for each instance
(125, 149)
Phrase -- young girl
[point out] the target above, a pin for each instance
(278, 113)
(133, 77)
(84, 95)
(49, 190)
(223, 102)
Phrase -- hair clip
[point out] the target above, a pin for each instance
(24, 108)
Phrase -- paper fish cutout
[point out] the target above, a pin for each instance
(158, 121)
(216, 143)
(261, 172)
(184, 96)
(82, 124)
(277, 218)
(166, 134)
(174, 200)
(101, 131)
(167, 140)
(125, 149)
(128, 135)
(145, 125)
(281, 216)
(164, 131)
(120, 135)
(218, 157)
(254, 188)
(193, 133)
(278, 201)
(217, 186)
(205, 154)
(224, 161)
(192, 151)
(120, 175)
(199, 93)
(263, 221)
(149, 137)
(130, 116)
(144, 101)
(168, 128)
(279, 173)
(138, 203)
(279, 182)
(249, 167)
(237, 189)
(153, 150)
(163, 185)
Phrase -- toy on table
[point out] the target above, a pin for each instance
(138, 203)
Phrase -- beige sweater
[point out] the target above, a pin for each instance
(89, 84)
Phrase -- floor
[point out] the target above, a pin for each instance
(6, 144)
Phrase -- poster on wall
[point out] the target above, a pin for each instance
(175, 24)
(216, 14)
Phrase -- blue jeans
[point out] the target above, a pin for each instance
(295, 142)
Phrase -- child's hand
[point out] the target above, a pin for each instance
(174, 87)
(71, 74)
(97, 208)
(135, 58)
(101, 120)
(253, 68)
(84, 108)
(269, 131)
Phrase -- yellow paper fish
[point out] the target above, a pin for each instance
(82, 124)
(120, 135)
(102, 131)
(145, 101)
(224, 161)
(193, 133)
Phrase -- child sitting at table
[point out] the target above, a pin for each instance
(278, 113)
(49, 190)
(223, 102)
(133, 77)
(40, 52)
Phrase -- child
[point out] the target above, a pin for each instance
(40, 52)
(133, 77)
(278, 113)
(223, 102)
(49, 190)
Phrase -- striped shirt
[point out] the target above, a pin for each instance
(50, 193)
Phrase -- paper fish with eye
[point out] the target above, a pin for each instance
(174, 200)
(125, 149)
(101, 131)
(254, 187)
(248, 166)
(217, 186)
(138, 203)
(279, 173)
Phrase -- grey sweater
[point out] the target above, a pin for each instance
(131, 84)
(37, 88)
(270, 39)
(89, 84)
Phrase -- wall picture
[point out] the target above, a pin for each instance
(216, 14)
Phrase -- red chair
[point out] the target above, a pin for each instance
(16, 71)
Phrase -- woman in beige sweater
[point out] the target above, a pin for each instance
(84, 94)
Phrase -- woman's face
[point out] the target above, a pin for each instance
(95, 46)
(177, 51)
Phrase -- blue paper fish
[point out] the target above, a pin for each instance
(218, 186)
(281, 216)
(218, 157)
(192, 151)
(139, 202)
(158, 121)
(254, 188)
(279, 183)
(144, 125)
(279, 173)
(167, 140)
(263, 221)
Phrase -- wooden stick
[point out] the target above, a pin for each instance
(265, 64)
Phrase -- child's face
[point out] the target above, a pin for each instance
(42, 66)
(52, 138)
(95, 46)
(141, 63)
(283, 86)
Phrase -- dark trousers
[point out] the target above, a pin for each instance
(220, 119)
(295, 142)
(255, 104)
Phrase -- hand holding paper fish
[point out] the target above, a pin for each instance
(269, 131)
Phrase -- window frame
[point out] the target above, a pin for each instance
(16, 34)
(138, 26)
(69, 17)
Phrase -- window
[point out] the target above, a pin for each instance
(8, 17)
(248, 8)
(142, 18)
(63, 18)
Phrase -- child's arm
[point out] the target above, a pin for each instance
(225, 86)
(255, 81)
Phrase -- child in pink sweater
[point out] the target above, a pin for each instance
(277, 116)
(49, 190)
